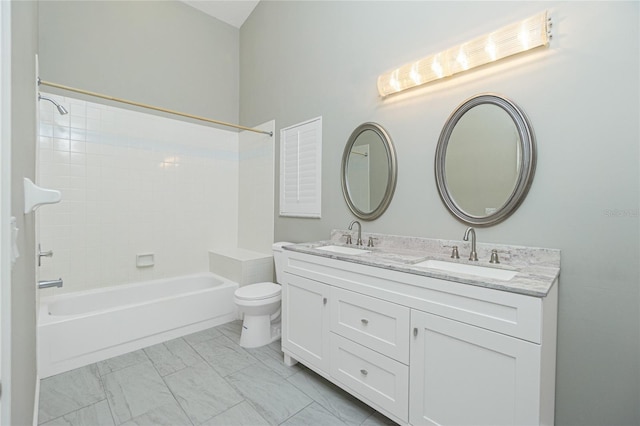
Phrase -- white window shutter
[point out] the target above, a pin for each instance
(301, 169)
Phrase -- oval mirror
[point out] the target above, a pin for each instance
(485, 160)
(369, 171)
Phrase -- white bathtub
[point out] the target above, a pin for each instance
(85, 327)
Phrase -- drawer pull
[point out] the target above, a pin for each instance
(364, 372)
(324, 300)
(364, 321)
(415, 331)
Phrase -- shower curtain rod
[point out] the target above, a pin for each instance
(155, 108)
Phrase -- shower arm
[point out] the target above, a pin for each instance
(155, 108)
(62, 110)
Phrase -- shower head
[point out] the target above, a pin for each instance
(62, 110)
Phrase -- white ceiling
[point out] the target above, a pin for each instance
(233, 12)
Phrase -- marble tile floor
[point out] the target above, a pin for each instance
(204, 378)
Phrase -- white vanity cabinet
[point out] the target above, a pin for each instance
(305, 321)
(421, 350)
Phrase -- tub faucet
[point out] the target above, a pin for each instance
(473, 255)
(50, 283)
(359, 240)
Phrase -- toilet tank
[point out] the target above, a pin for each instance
(279, 258)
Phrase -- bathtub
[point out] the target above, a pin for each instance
(85, 327)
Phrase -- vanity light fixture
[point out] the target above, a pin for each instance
(510, 40)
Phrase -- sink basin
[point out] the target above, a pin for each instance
(343, 250)
(462, 268)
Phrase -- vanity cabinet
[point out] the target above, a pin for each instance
(421, 350)
(305, 321)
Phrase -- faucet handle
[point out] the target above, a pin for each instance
(348, 238)
(454, 253)
(494, 256)
(371, 240)
(42, 254)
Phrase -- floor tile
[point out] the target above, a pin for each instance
(201, 392)
(274, 360)
(313, 415)
(203, 378)
(232, 330)
(276, 346)
(202, 336)
(66, 392)
(347, 408)
(272, 396)
(166, 415)
(242, 414)
(377, 419)
(135, 390)
(224, 356)
(119, 362)
(172, 356)
(97, 414)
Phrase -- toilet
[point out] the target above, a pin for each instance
(260, 305)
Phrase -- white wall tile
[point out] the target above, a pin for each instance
(133, 183)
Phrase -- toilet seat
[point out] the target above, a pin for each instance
(258, 291)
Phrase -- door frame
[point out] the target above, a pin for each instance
(5, 211)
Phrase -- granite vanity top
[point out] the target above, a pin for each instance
(537, 268)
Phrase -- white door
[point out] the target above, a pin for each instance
(5, 208)
(465, 375)
(305, 321)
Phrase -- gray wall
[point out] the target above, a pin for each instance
(24, 38)
(162, 53)
(299, 60)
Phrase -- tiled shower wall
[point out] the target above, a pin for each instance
(132, 183)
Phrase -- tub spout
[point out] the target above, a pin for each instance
(50, 283)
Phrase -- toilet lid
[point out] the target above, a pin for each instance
(258, 291)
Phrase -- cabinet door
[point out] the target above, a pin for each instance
(305, 321)
(466, 375)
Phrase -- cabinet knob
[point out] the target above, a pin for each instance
(324, 300)
(415, 331)
(364, 321)
(364, 372)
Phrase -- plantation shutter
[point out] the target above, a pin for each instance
(300, 169)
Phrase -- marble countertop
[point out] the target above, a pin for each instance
(537, 268)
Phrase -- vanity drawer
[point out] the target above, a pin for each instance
(381, 380)
(380, 325)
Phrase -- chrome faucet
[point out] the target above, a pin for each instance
(359, 240)
(50, 283)
(473, 255)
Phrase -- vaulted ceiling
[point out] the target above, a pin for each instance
(233, 12)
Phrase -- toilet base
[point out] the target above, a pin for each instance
(258, 330)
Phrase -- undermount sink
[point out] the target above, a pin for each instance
(463, 268)
(343, 250)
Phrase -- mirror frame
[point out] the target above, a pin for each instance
(527, 160)
(392, 167)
